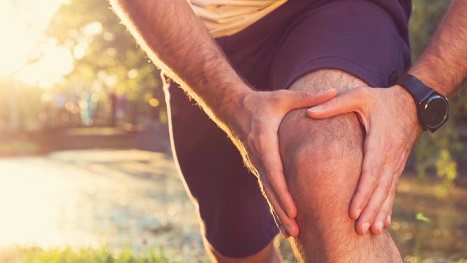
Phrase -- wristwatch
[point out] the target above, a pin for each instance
(432, 107)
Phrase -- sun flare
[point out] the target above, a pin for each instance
(25, 52)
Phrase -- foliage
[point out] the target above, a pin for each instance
(28, 103)
(107, 60)
(436, 151)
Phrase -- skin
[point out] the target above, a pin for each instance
(390, 121)
(322, 163)
(268, 254)
(252, 118)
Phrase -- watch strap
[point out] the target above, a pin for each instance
(415, 87)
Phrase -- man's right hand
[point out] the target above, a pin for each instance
(191, 57)
(255, 133)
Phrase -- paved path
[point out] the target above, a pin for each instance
(95, 197)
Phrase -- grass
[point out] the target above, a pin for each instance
(103, 255)
(87, 255)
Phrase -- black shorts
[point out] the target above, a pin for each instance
(368, 39)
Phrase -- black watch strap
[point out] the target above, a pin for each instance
(432, 107)
(415, 87)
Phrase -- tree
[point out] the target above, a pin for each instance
(107, 60)
(436, 150)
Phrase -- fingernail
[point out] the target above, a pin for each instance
(284, 232)
(315, 109)
(357, 213)
(282, 229)
(379, 225)
(289, 213)
(389, 219)
(365, 227)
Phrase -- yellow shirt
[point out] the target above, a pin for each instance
(227, 17)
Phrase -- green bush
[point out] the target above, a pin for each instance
(437, 152)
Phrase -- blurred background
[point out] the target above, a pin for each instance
(86, 173)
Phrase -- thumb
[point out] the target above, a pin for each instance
(304, 99)
(351, 101)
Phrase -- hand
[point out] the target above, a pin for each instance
(259, 117)
(392, 128)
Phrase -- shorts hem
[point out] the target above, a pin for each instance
(335, 63)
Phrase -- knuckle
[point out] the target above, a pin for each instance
(268, 175)
(334, 102)
(266, 189)
(388, 144)
(392, 194)
(279, 96)
(305, 95)
(385, 188)
(361, 91)
(371, 173)
(255, 142)
(363, 194)
(383, 212)
(372, 214)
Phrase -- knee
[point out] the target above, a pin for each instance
(320, 147)
(322, 161)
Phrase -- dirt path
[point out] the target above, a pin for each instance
(135, 198)
(96, 197)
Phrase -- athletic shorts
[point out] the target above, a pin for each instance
(368, 39)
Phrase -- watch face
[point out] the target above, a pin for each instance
(435, 111)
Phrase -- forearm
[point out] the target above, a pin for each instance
(443, 65)
(176, 41)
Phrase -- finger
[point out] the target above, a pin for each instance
(287, 225)
(350, 101)
(378, 197)
(388, 218)
(303, 99)
(278, 222)
(273, 181)
(371, 171)
(383, 218)
(275, 216)
(274, 173)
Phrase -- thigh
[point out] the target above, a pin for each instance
(234, 215)
(359, 37)
(368, 39)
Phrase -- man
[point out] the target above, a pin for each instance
(329, 181)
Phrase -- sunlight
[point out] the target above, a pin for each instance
(55, 62)
(39, 213)
(25, 52)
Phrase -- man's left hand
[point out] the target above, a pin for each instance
(390, 120)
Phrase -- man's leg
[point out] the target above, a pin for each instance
(322, 161)
(236, 223)
(269, 254)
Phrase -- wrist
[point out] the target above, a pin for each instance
(230, 108)
(432, 107)
(409, 103)
(428, 80)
